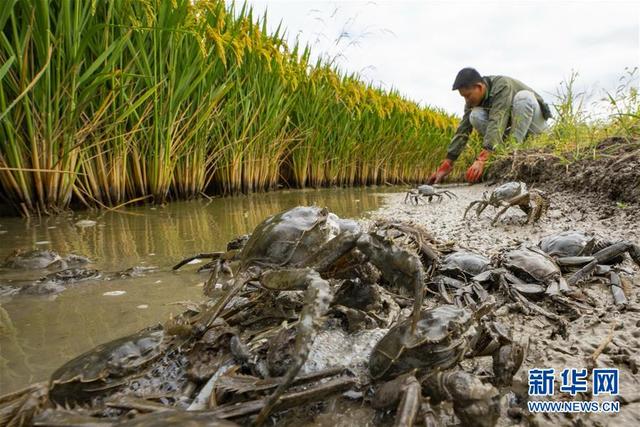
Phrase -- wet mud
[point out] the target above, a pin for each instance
(609, 332)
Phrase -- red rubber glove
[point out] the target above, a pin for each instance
(474, 173)
(443, 170)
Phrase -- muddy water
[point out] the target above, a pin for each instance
(547, 349)
(39, 333)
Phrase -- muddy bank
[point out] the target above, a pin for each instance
(547, 348)
(600, 328)
(612, 171)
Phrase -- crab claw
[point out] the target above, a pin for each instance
(403, 391)
(604, 256)
(397, 266)
(508, 359)
(474, 402)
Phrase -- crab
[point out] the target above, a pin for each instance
(512, 194)
(464, 264)
(428, 192)
(106, 366)
(456, 271)
(443, 337)
(56, 282)
(297, 250)
(60, 280)
(585, 254)
(158, 359)
(527, 273)
(532, 265)
(39, 259)
(97, 372)
(166, 361)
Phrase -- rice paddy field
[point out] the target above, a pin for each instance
(108, 103)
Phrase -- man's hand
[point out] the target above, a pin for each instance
(474, 173)
(443, 170)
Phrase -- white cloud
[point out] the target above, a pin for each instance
(419, 46)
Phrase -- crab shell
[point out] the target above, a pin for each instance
(508, 191)
(284, 239)
(565, 244)
(291, 236)
(531, 263)
(466, 264)
(426, 190)
(439, 341)
(106, 365)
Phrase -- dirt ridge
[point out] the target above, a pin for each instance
(613, 171)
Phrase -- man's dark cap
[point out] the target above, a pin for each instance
(466, 77)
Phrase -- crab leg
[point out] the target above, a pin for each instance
(408, 408)
(606, 255)
(574, 261)
(410, 194)
(212, 255)
(206, 318)
(583, 273)
(428, 416)
(481, 208)
(616, 289)
(541, 206)
(472, 204)
(317, 300)
(507, 360)
(406, 390)
(557, 286)
(511, 202)
(425, 249)
(464, 298)
(289, 400)
(323, 258)
(442, 288)
(524, 302)
(480, 291)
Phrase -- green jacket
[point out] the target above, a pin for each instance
(498, 100)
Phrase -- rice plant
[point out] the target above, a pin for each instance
(108, 103)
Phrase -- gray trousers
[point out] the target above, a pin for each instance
(526, 117)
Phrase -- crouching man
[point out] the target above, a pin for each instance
(497, 107)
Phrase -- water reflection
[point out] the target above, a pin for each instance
(38, 334)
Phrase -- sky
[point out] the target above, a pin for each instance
(417, 47)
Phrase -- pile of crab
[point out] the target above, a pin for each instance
(244, 357)
(543, 278)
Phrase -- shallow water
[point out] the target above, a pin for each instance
(40, 333)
